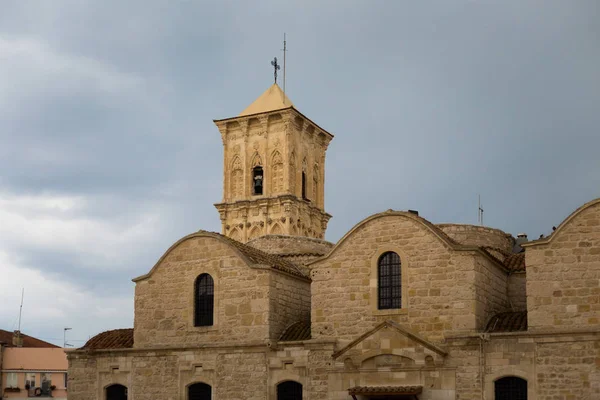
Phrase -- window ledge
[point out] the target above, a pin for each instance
(394, 311)
(209, 328)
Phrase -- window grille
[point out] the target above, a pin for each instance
(289, 390)
(199, 391)
(204, 293)
(389, 281)
(510, 388)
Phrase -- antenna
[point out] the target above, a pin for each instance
(479, 212)
(65, 344)
(21, 308)
(284, 51)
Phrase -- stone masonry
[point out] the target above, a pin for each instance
(476, 310)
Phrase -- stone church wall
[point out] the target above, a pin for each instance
(82, 378)
(289, 302)
(563, 274)
(437, 295)
(517, 293)
(241, 297)
(491, 282)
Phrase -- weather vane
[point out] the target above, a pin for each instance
(275, 67)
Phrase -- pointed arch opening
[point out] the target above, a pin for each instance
(276, 230)
(289, 390)
(304, 185)
(199, 391)
(510, 388)
(254, 233)
(204, 293)
(116, 392)
(257, 180)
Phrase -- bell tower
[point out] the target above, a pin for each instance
(274, 171)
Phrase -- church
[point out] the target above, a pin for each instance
(398, 308)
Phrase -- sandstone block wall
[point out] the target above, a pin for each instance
(568, 368)
(289, 302)
(474, 235)
(517, 293)
(164, 302)
(438, 291)
(82, 380)
(491, 282)
(563, 274)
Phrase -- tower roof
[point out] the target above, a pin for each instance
(272, 99)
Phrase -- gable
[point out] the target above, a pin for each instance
(389, 344)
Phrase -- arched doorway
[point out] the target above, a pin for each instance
(510, 388)
(199, 391)
(116, 392)
(289, 390)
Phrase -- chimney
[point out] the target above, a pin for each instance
(17, 340)
(414, 212)
(521, 238)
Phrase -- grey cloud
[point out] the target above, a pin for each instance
(432, 103)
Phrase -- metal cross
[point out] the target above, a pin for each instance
(276, 67)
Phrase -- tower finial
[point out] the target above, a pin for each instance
(275, 67)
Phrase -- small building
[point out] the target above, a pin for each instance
(31, 368)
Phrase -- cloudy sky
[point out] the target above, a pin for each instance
(109, 155)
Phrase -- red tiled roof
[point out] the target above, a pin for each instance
(297, 331)
(260, 257)
(115, 339)
(384, 390)
(514, 262)
(513, 321)
(28, 341)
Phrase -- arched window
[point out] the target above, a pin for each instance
(204, 304)
(289, 390)
(199, 391)
(510, 388)
(116, 392)
(257, 180)
(389, 282)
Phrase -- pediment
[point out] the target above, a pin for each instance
(389, 344)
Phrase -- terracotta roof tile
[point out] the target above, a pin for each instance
(115, 339)
(28, 341)
(513, 321)
(260, 257)
(297, 331)
(382, 390)
(514, 262)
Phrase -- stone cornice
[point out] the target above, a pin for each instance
(256, 345)
(293, 109)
